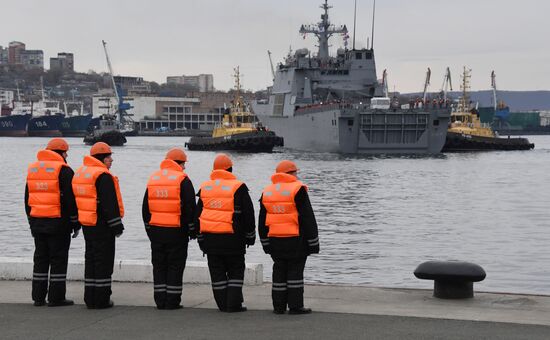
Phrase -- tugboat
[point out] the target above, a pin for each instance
(239, 130)
(105, 129)
(467, 133)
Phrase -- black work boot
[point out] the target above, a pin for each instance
(61, 303)
(301, 310)
(237, 309)
(108, 305)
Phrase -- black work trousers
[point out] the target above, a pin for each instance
(98, 269)
(51, 254)
(227, 276)
(288, 283)
(168, 261)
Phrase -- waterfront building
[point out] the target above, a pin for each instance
(170, 113)
(544, 118)
(204, 82)
(6, 97)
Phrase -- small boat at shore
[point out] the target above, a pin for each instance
(467, 133)
(240, 130)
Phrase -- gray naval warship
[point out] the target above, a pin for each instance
(336, 103)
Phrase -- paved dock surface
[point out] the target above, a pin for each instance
(340, 312)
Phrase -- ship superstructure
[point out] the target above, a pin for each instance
(320, 102)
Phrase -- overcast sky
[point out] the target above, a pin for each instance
(155, 39)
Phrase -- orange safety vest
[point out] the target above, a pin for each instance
(217, 196)
(43, 184)
(163, 193)
(278, 200)
(85, 191)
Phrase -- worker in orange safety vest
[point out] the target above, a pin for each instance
(51, 211)
(100, 211)
(168, 210)
(288, 232)
(225, 219)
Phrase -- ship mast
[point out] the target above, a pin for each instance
(323, 30)
(464, 104)
(238, 102)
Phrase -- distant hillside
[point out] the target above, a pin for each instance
(516, 100)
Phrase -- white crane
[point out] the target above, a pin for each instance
(111, 70)
(271, 63)
(385, 83)
(122, 107)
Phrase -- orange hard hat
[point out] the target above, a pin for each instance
(222, 162)
(100, 148)
(286, 166)
(57, 144)
(176, 154)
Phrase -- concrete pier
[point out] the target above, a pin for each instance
(340, 312)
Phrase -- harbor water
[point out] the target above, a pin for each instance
(379, 217)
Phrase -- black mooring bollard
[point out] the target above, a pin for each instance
(452, 279)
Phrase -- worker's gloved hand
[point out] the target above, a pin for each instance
(192, 231)
(250, 241)
(117, 230)
(76, 232)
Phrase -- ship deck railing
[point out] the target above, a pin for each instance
(314, 108)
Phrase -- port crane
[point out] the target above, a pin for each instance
(426, 85)
(447, 84)
(271, 63)
(501, 110)
(122, 107)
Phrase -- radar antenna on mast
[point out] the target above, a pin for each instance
(323, 30)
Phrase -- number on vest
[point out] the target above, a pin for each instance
(279, 209)
(215, 204)
(42, 186)
(161, 193)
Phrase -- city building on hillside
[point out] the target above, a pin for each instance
(204, 82)
(132, 85)
(32, 58)
(63, 62)
(14, 52)
(3, 55)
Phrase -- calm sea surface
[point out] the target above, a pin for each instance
(379, 217)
